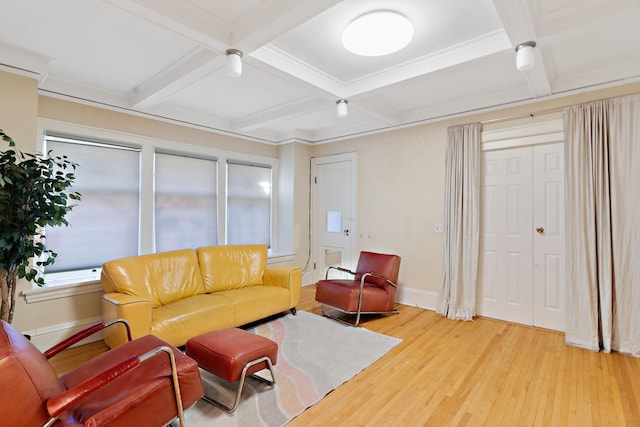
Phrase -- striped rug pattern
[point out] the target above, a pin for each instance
(315, 356)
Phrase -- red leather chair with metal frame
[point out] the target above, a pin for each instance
(371, 291)
(144, 382)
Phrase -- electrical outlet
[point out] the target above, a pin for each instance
(438, 228)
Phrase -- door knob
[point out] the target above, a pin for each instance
(540, 230)
(346, 232)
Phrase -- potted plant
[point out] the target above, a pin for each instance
(34, 193)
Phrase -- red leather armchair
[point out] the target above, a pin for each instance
(144, 382)
(371, 290)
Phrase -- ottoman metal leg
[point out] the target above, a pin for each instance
(242, 378)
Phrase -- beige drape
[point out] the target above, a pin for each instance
(602, 206)
(457, 296)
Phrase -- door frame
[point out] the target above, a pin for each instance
(315, 215)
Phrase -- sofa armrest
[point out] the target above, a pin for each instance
(134, 310)
(285, 277)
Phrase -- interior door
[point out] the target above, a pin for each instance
(333, 213)
(521, 268)
(505, 268)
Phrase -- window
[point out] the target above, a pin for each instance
(104, 225)
(143, 195)
(185, 202)
(248, 203)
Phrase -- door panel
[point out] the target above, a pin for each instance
(548, 271)
(504, 288)
(333, 212)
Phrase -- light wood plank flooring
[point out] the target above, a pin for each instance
(481, 373)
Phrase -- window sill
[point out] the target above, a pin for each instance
(279, 258)
(47, 293)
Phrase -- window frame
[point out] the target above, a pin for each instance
(65, 283)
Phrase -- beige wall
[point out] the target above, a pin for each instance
(400, 181)
(401, 187)
(294, 179)
(19, 109)
(57, 109)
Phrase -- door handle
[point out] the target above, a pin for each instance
(540, 230)
(346, 232)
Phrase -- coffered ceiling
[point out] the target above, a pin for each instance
(166, 58)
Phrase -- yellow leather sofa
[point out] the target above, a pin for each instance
(181, 294)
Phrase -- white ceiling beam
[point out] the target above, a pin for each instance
(464, 52)
(195, 66)
(272, 19)
(517, 22)
(378, 111)
(182, 18)
(292, 66)
(250, 32)
(287, 111)
(26, 63)
(538, 76)
(290, 135)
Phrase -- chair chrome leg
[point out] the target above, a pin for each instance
(358, 315)
(337, 319)
(232, 408)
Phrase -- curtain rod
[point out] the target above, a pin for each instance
(521, 116)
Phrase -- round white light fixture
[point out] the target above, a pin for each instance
(377, 33)
(234, 62)
(525, 57)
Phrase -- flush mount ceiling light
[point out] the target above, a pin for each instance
(377, 33)
(343, 109)
(234, 62)
(525, 57)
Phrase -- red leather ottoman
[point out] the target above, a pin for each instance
(232, 354)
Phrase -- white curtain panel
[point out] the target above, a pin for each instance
(602, 206)
(457, 296)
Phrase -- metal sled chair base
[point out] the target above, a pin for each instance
(242, 378)
(358, 314)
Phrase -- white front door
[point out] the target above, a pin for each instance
(521, 270)
(333, 212)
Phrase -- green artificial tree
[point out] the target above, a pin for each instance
(34, 193)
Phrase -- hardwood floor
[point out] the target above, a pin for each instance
(481, 373)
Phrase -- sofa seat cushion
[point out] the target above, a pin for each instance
(186, 318)
(345, 294)
(256, 302)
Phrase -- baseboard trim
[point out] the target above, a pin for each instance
(307, 279)
(417, 298)
(48, 336)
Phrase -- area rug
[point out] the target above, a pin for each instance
(315, 356)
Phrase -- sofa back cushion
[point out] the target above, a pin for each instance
(231, 267)
(161, 278)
